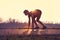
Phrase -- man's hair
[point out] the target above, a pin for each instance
(25, 11)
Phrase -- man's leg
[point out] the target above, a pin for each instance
(35, 23)
(32, 22)
(44, 27)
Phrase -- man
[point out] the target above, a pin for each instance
(35, 15)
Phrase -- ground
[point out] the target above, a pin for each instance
(30, 37)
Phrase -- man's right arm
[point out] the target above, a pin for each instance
(29, 21)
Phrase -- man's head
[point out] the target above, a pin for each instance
(26, 12)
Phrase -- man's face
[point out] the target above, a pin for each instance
(26, 13)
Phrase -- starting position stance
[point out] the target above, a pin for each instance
(35, 15)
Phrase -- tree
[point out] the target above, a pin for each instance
(0, 20)
(12, 20)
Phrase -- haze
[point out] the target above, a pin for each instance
(14, 9)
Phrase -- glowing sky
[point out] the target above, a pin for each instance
(14, 9)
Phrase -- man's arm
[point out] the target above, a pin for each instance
(29, 21)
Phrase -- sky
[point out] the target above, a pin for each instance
(14, 9)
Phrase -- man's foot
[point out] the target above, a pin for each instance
(36, 27)
(44, 27)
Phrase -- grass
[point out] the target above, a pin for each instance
(30, 37)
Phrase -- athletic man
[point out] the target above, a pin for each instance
(35, 15)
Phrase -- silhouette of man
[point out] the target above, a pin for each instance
(35, 15)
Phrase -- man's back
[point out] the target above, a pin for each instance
(35, 13)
